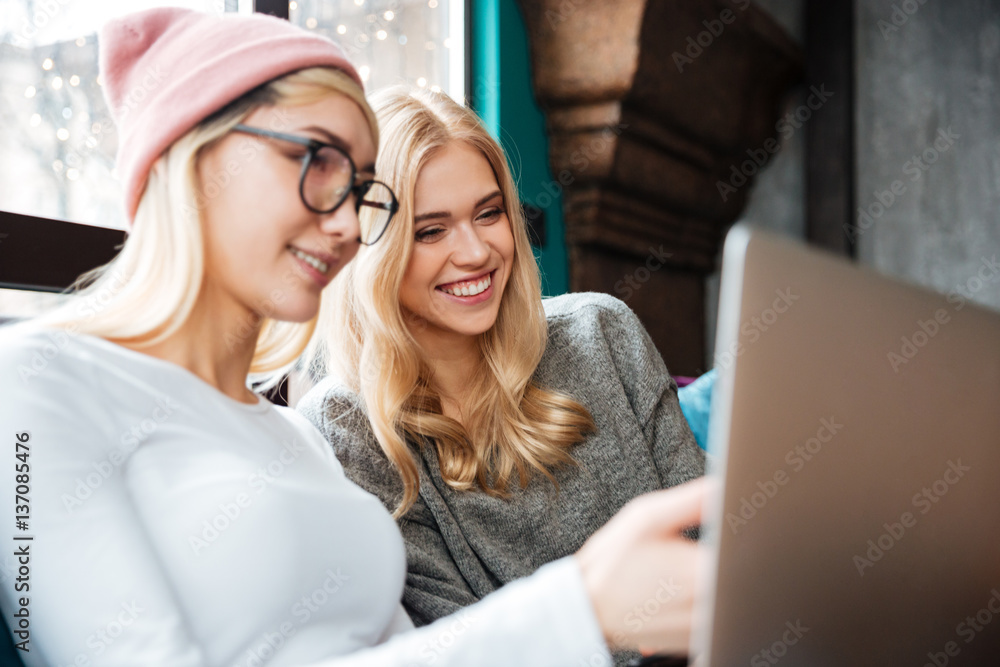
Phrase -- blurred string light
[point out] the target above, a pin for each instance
(72, 126)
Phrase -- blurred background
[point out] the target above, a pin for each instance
(639, 132)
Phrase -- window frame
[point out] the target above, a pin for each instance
(47, 255)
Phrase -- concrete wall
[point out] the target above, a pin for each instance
(928, 125)
(921, 77)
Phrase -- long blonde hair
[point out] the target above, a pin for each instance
(511, 424)
(148, 291)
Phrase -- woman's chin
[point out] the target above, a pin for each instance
(293, 313)
(474, 328)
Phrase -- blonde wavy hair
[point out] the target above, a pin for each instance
(512, 426)
(148, 291)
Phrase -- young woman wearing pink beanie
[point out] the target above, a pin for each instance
(168, 515)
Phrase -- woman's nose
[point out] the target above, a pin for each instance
(342, 223)
(471, 249)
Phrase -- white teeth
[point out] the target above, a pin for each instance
(469, 290)
(317, 264)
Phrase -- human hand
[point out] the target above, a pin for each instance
(641, 573)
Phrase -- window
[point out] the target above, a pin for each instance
(57, 137)
(418, 42)
(58, 141)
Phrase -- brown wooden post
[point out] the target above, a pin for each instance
(653, 111)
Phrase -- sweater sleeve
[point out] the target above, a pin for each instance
(435, 586)
(93, 587)
(545, 619)
(98, 593)
(653, 394)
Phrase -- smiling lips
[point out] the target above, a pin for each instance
(311, 260)
(468, 287)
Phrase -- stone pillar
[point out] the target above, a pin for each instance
(656, 111)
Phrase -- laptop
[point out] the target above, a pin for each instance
(856, 429)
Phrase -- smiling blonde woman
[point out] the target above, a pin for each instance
(181, 518)
(502, 429)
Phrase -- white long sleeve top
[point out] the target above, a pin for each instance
(168, 524)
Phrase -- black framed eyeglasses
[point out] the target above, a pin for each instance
(329, 176)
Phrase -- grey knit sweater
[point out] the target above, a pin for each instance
(462, 545)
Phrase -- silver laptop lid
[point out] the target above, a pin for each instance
(857, 427)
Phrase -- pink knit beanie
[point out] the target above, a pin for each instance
(165, 70)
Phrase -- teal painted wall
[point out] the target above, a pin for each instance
(501, 94)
